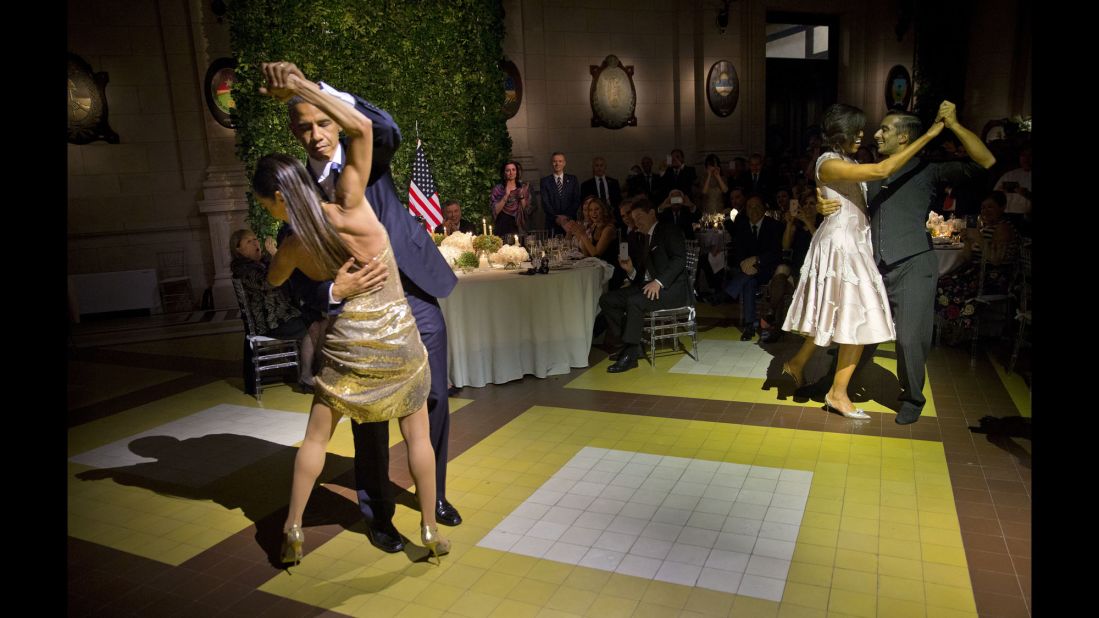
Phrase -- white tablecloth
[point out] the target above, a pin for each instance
(950, 257)
(502, 325)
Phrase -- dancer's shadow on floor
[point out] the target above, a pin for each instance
(237, 472)
(871, 382)
(1002, 433)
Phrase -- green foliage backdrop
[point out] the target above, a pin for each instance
(435, 62)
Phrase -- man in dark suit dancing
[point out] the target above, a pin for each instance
(898, 208)
(560, 195)
(658, 281)
(425, 276)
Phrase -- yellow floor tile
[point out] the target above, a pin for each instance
(806, 595)
(900, 567)
(900, 588)
(897, 608)
(611, 607)
(496, 584)
(811, 574)
(789, 610)
(750, 607)
(943, 555)
(533, 591)
(474, 605)
(510, 608)
(572, 600)
(856, 560)
(950, 597)
(853, 603)
(666, 594)
(854, 581)
(709, 602)
(625, 586)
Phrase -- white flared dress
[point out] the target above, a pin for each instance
(840, 297)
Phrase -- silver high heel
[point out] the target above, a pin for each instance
(292, 545)
(856, 413)
(437, 545)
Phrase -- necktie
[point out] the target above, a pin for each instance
(755, 179)
(333, 177)
(755, 230)
(649, 182)
(560, 187)
(601, 188)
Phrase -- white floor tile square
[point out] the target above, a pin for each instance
(720, 526)
(762, 587)
(722, 581)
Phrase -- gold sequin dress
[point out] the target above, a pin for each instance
(375, 366)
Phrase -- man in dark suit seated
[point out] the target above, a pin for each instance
(757, 251)
(560, 195)
(760, 180)
(452, 220)
(425, 276)
(657, 281)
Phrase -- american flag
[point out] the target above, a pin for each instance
(422, 197)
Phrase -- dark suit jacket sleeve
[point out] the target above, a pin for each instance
(957, 173)
(387, 137)
(675, 244)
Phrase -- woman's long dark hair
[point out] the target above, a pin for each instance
(279, 172)
(841, 124)
(518, 173)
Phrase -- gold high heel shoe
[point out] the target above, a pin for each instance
(292, 545)
(857, 413)
(786, 371)
(437, 545)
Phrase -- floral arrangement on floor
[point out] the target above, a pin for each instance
(488, 243)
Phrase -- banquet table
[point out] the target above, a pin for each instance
(950, 257)
(502, 325)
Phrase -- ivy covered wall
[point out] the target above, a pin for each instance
(432, 62)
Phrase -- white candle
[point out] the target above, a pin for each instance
(490, 230)
(516, 240)
(484, 230)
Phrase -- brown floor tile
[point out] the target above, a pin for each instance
(988, 561)
(975, 483)
(990, 581)
(1013, 514)
(999, 605)
(973, 495)
(1013, 500)
(1018, 547)
(985, 542)
(1015, 530)
(976, 525)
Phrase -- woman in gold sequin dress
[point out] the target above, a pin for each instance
(375, 367)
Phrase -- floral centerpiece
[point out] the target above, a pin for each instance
(438, 238)
(511, 256)
(467, 261)
(488, 243)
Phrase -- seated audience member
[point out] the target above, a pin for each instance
(600, 238)
(756, 253)
(510, 202)
(452, 220)
(680, 211)
(800, 225)
(658, 281)
(272, 309)
(1016, 186)
(957, 289)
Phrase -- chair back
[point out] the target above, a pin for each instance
(692, 270)
(245, 314)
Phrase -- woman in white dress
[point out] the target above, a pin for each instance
(840, 297)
